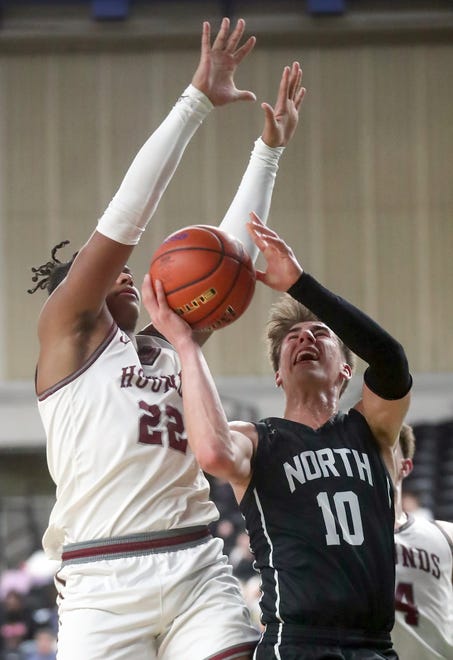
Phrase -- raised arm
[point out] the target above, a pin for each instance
(82, 294)
(387, 381)
(76, 317)
(257, 185)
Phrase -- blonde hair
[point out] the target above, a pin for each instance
(407, 441)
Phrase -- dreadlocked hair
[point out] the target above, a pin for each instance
(49, 275)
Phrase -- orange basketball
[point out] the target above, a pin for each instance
(207, 275)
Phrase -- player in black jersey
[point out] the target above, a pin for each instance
(315, 487)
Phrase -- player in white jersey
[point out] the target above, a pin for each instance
(424, 570)
(141, 577)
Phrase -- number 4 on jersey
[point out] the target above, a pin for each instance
(405, 602)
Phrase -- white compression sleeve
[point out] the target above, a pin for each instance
(254, 194)
(133, 205)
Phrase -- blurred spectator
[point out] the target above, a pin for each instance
(17, 579)
(43, 647)
(411, 504)
(12, 639)
(241, 558)
(28, 613)
(15, 625)
(225, 530)
(222, 494)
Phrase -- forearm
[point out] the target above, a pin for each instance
(204, 418)
(388, 372)
(254, 193)
(133, 205)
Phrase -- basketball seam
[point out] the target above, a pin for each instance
(209, 273)
(238, 270)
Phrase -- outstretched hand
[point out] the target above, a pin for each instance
(218, 63)
(163, 318)
(282, 268)
(281, 121)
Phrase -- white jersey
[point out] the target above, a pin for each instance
(423, 594)
(117, 447)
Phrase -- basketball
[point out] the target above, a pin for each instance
(207, 275)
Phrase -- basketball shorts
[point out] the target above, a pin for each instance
(288, 642)
(182, 604)
(314, 652)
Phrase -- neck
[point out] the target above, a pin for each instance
(400, 515)
(311, 408)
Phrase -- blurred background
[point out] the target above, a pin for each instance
(364, 196)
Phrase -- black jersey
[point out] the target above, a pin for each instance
(319, 511)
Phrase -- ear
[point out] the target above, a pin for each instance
(406, 467)
(278, 380)
(346, 371)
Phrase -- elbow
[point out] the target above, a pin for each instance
(388, 374)
(399, 355)
(214, 460)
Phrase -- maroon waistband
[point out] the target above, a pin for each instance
(133, 545)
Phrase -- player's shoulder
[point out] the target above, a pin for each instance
(447, 529)
(427, 527)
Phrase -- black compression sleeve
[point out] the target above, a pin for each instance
(388, 372)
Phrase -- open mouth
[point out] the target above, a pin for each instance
(306, 356)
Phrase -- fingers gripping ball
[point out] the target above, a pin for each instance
(207, 275)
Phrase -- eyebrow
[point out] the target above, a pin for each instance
(320, 326)
(315, 326)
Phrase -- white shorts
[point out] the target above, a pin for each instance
(183, 604)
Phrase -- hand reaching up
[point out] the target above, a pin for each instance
(218, 63)
(282, 267)
(281, 121)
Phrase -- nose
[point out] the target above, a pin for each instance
(125, 278)
(307, 336)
